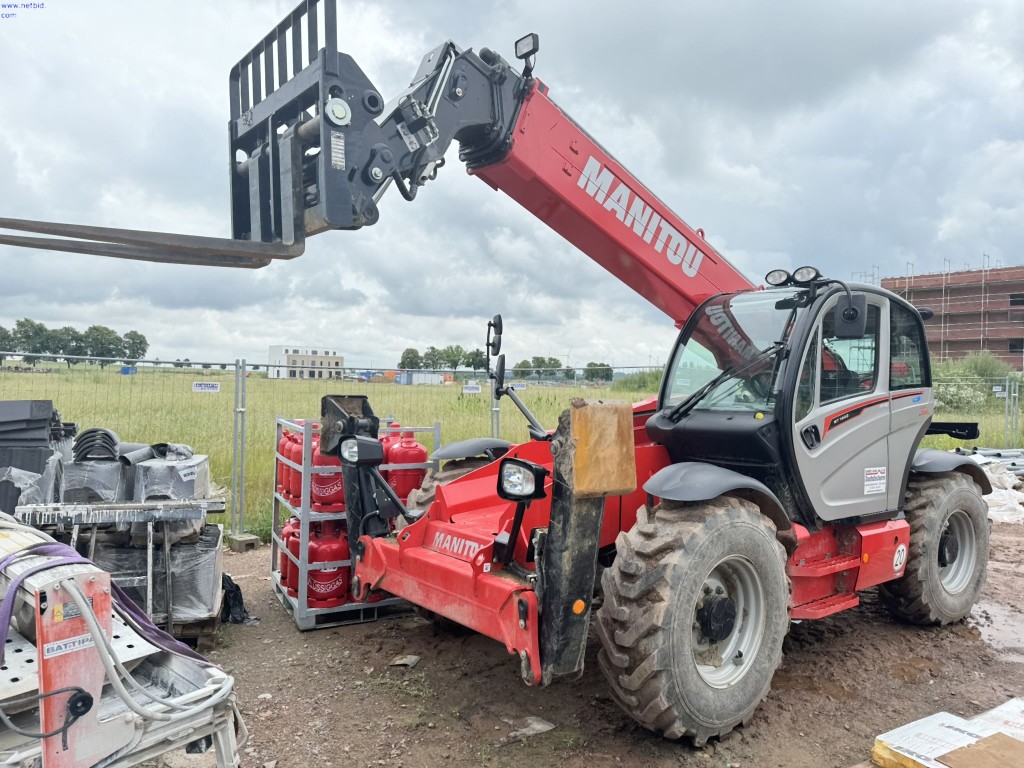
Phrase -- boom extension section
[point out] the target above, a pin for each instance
(313, 147)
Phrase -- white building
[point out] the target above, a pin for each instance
(296, 362)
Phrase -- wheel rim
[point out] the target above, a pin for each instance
(722, 663)
(956, 575)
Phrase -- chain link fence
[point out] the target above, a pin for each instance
(228, 410)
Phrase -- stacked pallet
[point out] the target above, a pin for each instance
(33, 444)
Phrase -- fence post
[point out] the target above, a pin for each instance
(234, 455)
(238, 539)
(495, 410)
(1006, 412)
(241, 459)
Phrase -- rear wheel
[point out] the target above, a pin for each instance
(695, 611)
(949, 533)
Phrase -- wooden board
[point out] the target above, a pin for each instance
(604, 463)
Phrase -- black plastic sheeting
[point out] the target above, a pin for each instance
(233, 611)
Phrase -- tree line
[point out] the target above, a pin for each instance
(30, 337)
(452, 357)
(549, 367)
(449, 358)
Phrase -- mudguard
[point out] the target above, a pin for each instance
(490, 447)
(696, 481)
(930, 461)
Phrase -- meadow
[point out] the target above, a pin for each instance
(158, 404)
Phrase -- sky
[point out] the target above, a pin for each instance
(862, 137)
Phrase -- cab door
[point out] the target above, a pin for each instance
(910, 387)
(840, 417)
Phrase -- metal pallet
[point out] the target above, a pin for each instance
(321, 618)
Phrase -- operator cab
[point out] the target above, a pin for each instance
(817, 390)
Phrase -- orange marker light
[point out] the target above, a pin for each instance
(579, 607)
(865, 557)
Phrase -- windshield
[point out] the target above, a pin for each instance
(734, 333)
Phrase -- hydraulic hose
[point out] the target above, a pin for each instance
(105, 653)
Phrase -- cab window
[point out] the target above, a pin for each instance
(908, 364)
(808, 378)
(849, 367)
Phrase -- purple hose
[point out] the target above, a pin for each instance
(65, 555)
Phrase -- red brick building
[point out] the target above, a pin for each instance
(974, 310)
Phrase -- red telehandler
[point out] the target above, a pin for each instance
(778, 471)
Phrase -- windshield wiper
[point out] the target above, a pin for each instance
(688, 404)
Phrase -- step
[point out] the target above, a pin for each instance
(826, 606)
(824, 566)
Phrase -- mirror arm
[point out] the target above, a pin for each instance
(536, 429)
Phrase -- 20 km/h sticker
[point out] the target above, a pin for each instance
(899, 559)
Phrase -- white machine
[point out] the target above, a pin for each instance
(85, 678)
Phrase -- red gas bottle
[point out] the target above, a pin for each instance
(293, 571)
(406, 451)
(328, 588)
(388, 440)
(282, 445)
(293, 477)
(328, 491)
(290, 529)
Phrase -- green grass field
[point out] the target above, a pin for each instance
(158, 405)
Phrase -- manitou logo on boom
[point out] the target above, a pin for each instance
(630, 209)
(455, 545)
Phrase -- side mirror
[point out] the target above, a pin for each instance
(851, 316)
(495, 344)
(496, 324)
(499, 376)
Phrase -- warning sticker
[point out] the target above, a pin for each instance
(407, 137)
(874, 480)
(72, 644)
(338, 150)
(65, 611)
(188, 473)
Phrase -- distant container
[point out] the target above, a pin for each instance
(427, 378)
(129, 370)
(403, 378)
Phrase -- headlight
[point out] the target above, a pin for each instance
(516, 480)
(520, 480)
(350, 450)
(805, 275)
(777, 277)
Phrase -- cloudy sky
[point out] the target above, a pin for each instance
(861, 137)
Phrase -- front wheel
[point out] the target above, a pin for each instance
(948, 558)
(695, 611)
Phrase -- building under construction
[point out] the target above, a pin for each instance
(979, 309)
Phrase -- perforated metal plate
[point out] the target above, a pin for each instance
(19, 677)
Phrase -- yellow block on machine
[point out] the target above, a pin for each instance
(604, 462)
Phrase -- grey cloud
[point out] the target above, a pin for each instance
(842, 134)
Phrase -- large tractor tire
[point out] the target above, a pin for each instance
(695, 611)
(948, 557)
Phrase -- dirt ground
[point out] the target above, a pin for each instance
(329, 698)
